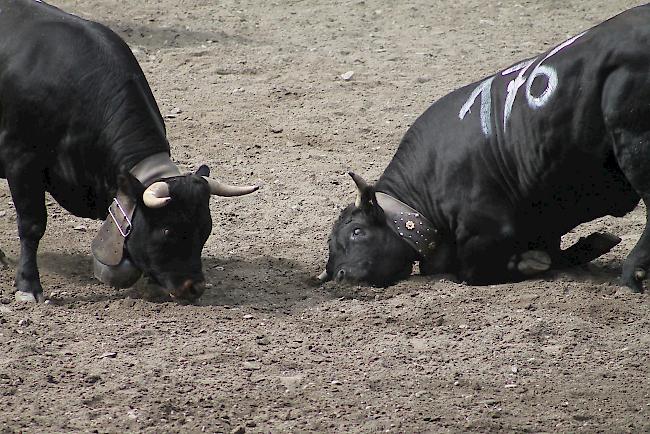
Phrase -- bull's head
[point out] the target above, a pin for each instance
(169, 226)
(363, 248)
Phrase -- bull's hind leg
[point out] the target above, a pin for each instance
(637, 262)
(627, 119)
(28, 194)
(633, 155)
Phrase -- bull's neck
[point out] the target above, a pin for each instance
(411, 189)
(154, 167)
(399, 188)
(410, 176)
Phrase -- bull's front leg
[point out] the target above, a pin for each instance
(442, 261)
(544, 255)
(497, 258)
(28, 194)
(530, 262)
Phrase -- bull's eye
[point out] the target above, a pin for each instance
(166, 232)
(357, 232)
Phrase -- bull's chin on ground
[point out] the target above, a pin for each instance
(188, 292)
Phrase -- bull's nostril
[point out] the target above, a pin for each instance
(189, 290)
(340, 275)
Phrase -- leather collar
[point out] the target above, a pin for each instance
(409, 224)
(108, 244)
(154, 168)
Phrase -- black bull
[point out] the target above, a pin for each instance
(489, 178)
(78, 119)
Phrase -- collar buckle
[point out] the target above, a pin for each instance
(124, 223)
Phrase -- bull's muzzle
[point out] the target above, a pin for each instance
(189, 291)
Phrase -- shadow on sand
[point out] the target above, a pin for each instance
(151, 36)
(265, 283)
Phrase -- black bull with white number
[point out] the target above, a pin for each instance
(78, 119)
(486, 181)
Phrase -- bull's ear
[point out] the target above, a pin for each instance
(130, 185)
(203, 170)
(366, 198)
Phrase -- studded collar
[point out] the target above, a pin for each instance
(409, 224)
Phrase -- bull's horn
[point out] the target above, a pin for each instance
(221, 189)
(156, 195)
(323, 277)
(361, 186)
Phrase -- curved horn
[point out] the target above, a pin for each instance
(156, 195)
(323, 277)
(361, 186)
(221, 189)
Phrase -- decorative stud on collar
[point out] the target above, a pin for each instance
(409, 224)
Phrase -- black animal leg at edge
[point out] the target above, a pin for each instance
(28, 194)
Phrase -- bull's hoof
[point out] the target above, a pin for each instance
(640, 274)
(533, 262)
(28, 297)
(634, 281)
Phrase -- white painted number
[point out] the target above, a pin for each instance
(513, 87)
(534, 102)
(485, 90)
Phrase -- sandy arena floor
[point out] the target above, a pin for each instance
(252, 88)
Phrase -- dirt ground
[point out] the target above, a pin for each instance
(253, 89)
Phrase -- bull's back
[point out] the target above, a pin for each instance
(70, 92)
(530, 142)
(568, 170)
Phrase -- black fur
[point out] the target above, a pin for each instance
(76, 114)
(496, 187)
